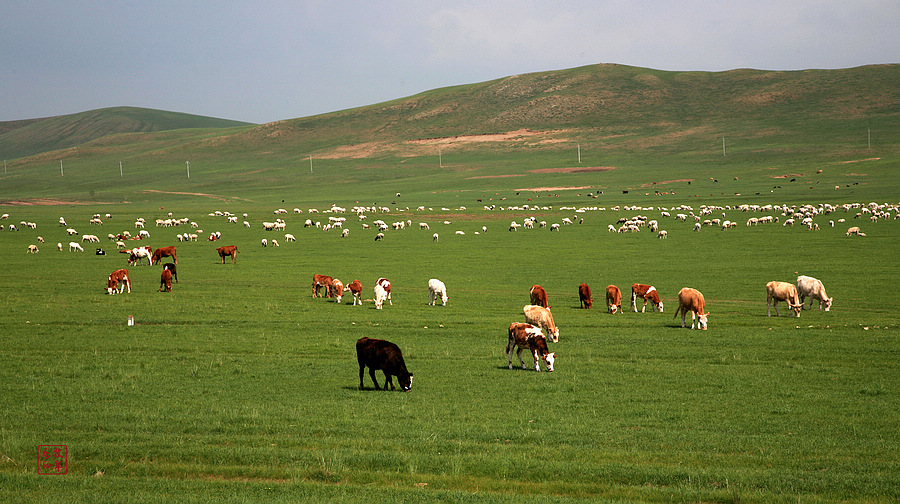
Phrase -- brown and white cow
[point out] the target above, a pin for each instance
(813, 288)
(539, 296)
(337, 290)
(228, 250)
(647, 293)
(782, 291)
(386, 285)
(613, 299)
(174, 269)
(161, 252)
(138, 254)
(165, 281)
(692, 300)
(584, 295)
(382, 355)
(527, 336)
(541, 317)
(321, 281)
(355, 287)
(117, 282)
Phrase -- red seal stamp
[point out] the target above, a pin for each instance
(53, 459)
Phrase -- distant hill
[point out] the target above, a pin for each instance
(33, 136)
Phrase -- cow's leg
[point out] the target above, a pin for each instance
(389, 299)
(390, 381)
(537, 360)
(633, 302)
(519, 354)
(362, 368)
(768, 307)
(372, 374)
(683, 314)
(643, 308)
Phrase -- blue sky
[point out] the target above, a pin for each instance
(273, 60)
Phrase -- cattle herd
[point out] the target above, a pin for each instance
(539, 325)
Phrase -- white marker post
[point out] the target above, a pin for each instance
(188, 163)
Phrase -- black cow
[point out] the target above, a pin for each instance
(171, 267)
(386, 356)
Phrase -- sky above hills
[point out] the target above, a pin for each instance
(273, 60)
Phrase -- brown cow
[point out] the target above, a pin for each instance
(117, 282)
(386, 356)
(647, 293)
(613, 299)
(782, 291)
(171, 267)
(584, 294)
(355, 287)
(321, 281)
(165, 281)
(230, 250)
(161, 252)
(337, 290)
(530, 337)
(539, 296)
(692, 300)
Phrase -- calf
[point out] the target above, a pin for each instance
(385, 356)
(161, 252)
(814, 289)
(355, 288)
(380, 295)
(538, 296)
(613, 299)
(230, 250)
(165, 281)
(782, 291)
(437, 289)
(337, 290)
(692, 300)
(386, 285)
(118, 280)
(541, 317)
(321, 281)
(647, 293)
(527, 336)
(171, 267)
(584, 295)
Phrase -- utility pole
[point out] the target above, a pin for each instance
(310, 163)
(61, 168)
(579, 153)
(188, 164)
(869, 134)
(440, 159)
(723, 146)
(120, 170)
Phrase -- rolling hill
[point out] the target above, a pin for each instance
(33, 136)
(651, 125)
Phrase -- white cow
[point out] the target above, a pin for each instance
(813, 288)
(436, 289)
(380, 296)
(73, 246)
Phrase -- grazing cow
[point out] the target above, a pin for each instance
(584, 295)
(527, 336)
(647, 293)
(613, 299)
(161, 252)
(138, 254)
(379, 237)
(854, 231)
(117, 282)
(229, 250)
(289, 237)
(165, 281)
(386, 285)
(265, 242)
(59, 246)
(541, 317)
(355, 288)
(782, 291)
(321, 281)
(538, 296)
(434, 237)
(380, 295)
(814, 289)
(73, 246)
(171, 267)
(692, 300)
(337, 290)
(437, 289)
(377, 354)
(32, 249)
(662, 234)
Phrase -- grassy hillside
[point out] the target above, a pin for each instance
(28, 137)
(652, 127)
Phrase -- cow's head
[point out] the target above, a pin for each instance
(660, 306)
(111, 285)
(613, 309)
(796, 308)
(405, 381)
(554, 335)
(702, 320)
(549, 359)
(828, 303)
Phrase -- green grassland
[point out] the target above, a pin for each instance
(239, 386)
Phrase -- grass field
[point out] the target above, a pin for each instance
(239, 386)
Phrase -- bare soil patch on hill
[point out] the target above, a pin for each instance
(575, 169)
